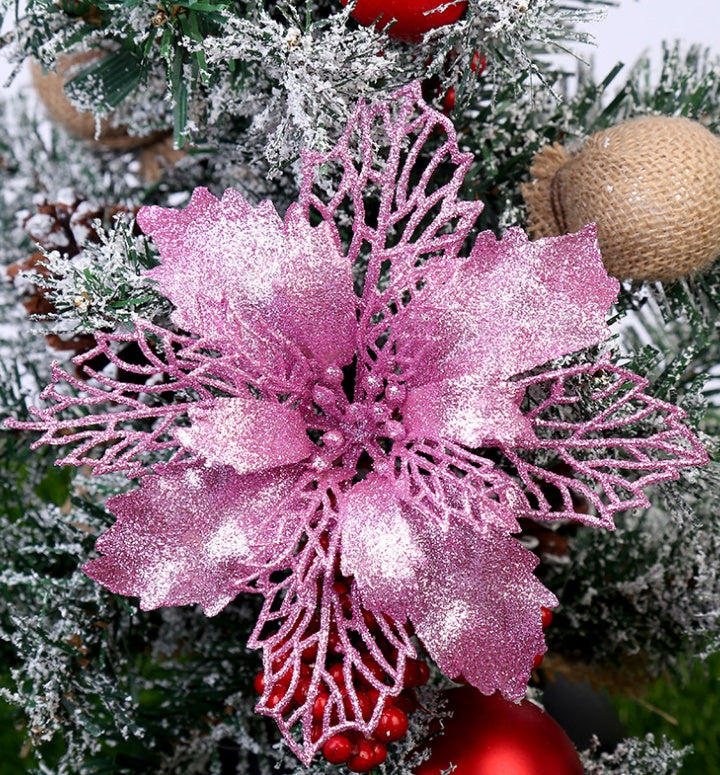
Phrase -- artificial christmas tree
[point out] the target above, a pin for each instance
(334, 405)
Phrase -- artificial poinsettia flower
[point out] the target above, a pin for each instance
(349, 416)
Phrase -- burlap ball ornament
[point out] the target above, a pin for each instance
(50, 87)
(652, 186)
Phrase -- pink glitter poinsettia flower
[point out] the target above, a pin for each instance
(357, 423)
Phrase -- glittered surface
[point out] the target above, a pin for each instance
(194, 534)
(227, 267)
(268, 459)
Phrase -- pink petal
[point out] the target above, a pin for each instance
(403, 199)
(620, 441)
(467, 410)
(196, 535)
(225, 264)
(512, 306)
(304, 626)
(247, 434)
(479, 610)
(468, 589)
(379, 548)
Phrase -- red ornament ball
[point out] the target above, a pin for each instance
(412, 18)
(491, 736)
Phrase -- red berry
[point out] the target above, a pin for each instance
(478, 63)
(365, 704)
(338, 675)
(370, 620)
(390, 652)
(393, 725)
(334, 644)
(277, 695)
(546, 617)
(364, 759)
(373, 668)
(319, 705)
(449, 101)
(338, 749)
(301, 691)
(305, 670)
(309, 653)
(417, 673)
(259, 682)
(537, 661)
(379, 752)
(279, 662)
(407, 700)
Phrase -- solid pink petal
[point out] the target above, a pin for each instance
(247, 434)
(468, 411)
(196, 535)
(468, 589)
(379, 548)
(512, 306)
(479, 609)
(225, 263)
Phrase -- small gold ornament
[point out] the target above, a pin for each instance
(50, 87)
(652, 186)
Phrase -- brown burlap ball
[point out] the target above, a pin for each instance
(50, 88)
(652, 186)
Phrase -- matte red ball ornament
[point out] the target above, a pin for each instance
(413, 18)
(491, 736)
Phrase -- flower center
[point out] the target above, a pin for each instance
(346, 419)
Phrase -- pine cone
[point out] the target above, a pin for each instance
(64, 225)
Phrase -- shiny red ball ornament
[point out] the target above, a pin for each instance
(413, 18)
(491, 736)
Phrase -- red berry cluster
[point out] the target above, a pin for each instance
(358, 752)
(361, 753)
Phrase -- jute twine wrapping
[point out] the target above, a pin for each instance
(50, 88)
(652, 186)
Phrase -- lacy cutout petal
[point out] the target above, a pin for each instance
(415, 212)
(303, 628)
(223, 260)
(196, 536)
(247, 434)
(631, 440)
